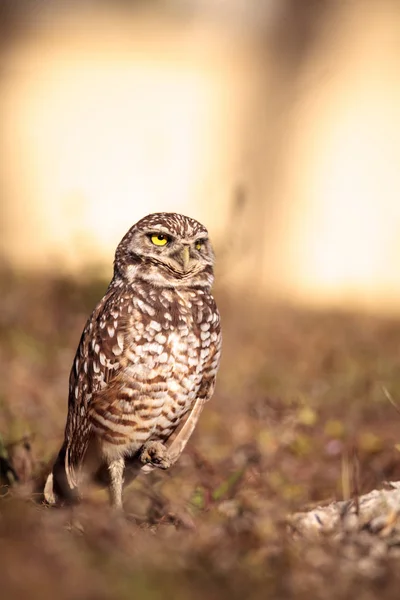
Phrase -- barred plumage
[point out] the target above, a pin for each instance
(147, 358)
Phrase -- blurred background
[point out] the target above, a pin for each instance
(276, 123)
(285, 112)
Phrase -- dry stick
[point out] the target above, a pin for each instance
(345, 476)
(389, 397)
(356, 479)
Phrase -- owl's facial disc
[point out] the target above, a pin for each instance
(172, 256)
(180, 256)
(167, 250)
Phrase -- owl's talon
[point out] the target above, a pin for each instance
(155, 454)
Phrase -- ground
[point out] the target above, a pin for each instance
(299, 418)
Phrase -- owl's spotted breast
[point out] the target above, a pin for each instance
(169, 345)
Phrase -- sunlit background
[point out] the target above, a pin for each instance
(277, 123)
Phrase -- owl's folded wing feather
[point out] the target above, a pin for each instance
(95, 368)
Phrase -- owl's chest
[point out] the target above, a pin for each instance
(166, 342)
(165, 359)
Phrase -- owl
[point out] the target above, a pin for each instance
(146, 362)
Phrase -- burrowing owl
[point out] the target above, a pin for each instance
(148, 358)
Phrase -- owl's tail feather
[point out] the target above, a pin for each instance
(59, 488)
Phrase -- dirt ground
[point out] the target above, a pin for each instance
(299, 418)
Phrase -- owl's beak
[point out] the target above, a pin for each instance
(185, 258)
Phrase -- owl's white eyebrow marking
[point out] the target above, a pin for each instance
(158, 229)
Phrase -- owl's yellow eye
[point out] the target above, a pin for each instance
(159, 239)
(199, 245)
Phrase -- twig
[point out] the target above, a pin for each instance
(356, 479)
(389, 397)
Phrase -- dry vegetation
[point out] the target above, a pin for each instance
(299, 417)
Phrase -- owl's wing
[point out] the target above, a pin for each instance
(212, 360)
(96, 367)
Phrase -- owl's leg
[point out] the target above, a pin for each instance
(116, 470)
(155, 454)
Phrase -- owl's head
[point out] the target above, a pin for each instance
(168, 250)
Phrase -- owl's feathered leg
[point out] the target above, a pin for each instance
(155, 454)
(154, 457)
(116, 470)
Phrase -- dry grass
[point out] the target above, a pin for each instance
(299, 416)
